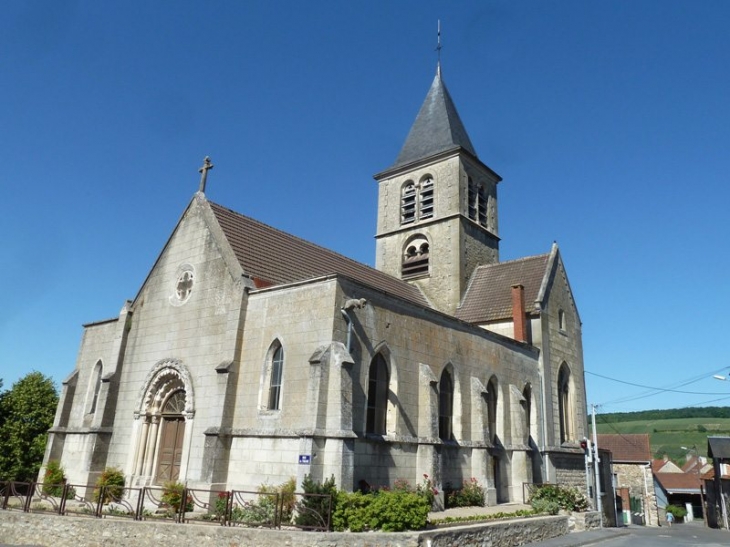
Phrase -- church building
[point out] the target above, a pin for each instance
(251, 356)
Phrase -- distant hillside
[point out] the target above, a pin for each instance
(670, 430)
(666, 414)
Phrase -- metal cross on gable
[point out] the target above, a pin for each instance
(207, 166)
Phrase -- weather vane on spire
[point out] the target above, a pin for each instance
(207, 166)
(438, 48)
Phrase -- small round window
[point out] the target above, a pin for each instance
(184, 285)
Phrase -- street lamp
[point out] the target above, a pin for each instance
(698, 467)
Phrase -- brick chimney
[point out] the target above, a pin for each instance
(518, 313)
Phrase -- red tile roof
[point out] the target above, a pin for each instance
(627, 448)
(674, 482)
(489, 295)
(272, 257)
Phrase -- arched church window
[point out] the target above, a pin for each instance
(492, 399)
(527, 409)
(95, 386)
(408, 203)
(415, 257)
(417, 200)
(446, 405)
(477, 202)
(565, 404)
(378, 384)
(277, 366)
(175, 403)
(425, 198)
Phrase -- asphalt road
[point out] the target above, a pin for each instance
(679, 535)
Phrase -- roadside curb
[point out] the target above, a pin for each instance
(579, 539)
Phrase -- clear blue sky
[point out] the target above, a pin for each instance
(609, 122)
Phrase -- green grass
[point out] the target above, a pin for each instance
(669, 435)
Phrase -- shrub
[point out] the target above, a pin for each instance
(113, 479)
(545, 506)
(678, 512)
(469, 495)
(54, 481)
(315, 510)
(398, 511)
(569, 499)
(286, 494)
(221, 505)
(387, 510)
(427, 490)
(260, 511)
(172, 496)
(351, 511)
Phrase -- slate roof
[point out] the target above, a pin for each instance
(718, 447)
(437, 128)
(272, 257)
(489, 294)
(679, 482)
(630, 448)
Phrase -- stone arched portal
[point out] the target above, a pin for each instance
(163, 419)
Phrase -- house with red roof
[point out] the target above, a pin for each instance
(631, 455)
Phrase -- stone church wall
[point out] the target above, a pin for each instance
(197, 332)
(564, 346)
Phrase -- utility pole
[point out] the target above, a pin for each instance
(596, 466)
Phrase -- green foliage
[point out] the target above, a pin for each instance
(113, 479)
(260, 511)
(569, 499)
(314, 510)
(520, 513)
(221, 505)
(26, 414)
(551, 507)
(172, 496)
(286, 495)
(386, 510)
(666, 414)
(54, 479)
(678, 512)
(469, 495)
(669, 430)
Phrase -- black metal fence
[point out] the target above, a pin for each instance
(184, 505)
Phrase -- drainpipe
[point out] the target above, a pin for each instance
(350, 304)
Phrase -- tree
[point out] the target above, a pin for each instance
(26, 414)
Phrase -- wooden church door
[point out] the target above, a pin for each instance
(171, 438)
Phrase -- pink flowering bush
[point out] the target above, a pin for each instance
(470, 494)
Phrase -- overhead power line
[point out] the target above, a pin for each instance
(653, 390)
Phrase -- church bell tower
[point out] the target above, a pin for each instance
(437, 205)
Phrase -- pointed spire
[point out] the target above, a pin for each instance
(437, 128)
(438, 49)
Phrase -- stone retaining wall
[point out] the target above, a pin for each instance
(57, 531)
